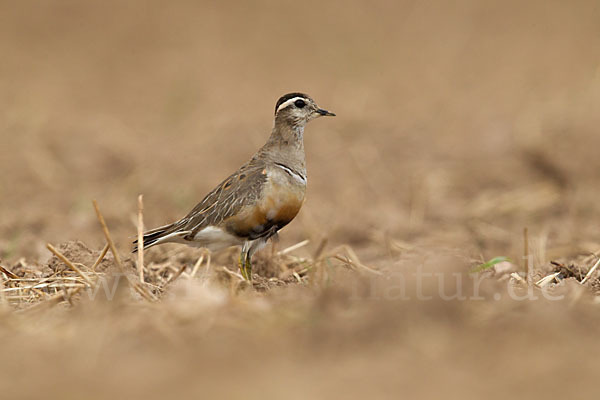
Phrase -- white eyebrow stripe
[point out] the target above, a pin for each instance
(288, 102)
(293, 173)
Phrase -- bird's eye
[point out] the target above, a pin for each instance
(299, 103)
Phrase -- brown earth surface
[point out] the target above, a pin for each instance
(459, 125)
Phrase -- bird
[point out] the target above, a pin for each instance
(251, 205)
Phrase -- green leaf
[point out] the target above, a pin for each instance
(490, 264)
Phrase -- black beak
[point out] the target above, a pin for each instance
(325, 112)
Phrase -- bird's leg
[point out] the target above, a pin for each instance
(248, 249)
(248, 268)
(242, 264)
(245, 263)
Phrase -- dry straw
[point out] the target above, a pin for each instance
(140, 232)
(142, 290)
(69, 264)
(41, 293)
(2, 297)
(100, 257)
(590, 272)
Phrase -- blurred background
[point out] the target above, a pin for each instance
(447, 112)
(458, 125)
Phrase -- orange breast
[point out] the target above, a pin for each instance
(277, 207)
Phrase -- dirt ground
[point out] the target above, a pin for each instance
(459, 125)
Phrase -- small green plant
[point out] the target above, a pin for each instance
(489, 264)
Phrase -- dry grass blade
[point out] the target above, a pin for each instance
(345, 260)
(109, 240)
(2, 297)
(140, 263)
(41, 293)
(197, 266)
(320, 249)
(8, 273)
(52, 301)
(42, 280)
(207, 269)
(140, 289)
(355, 261)
(231, 273)
(293, 247)
(547, 279)
(175, 275)
(518, 278)
(590, 272)
(528, 268)
(297, 276)
(54, 284)
(143, 292)
(69, 264)
(100, 257)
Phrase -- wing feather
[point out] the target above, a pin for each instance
(240, 189)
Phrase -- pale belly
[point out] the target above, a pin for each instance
(215, 238)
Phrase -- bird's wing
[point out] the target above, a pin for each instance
(241, 189)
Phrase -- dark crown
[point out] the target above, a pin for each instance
(288, 96)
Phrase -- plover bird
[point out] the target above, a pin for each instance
(256, 201)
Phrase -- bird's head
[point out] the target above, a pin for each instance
(296, 109)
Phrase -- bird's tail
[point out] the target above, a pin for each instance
(156, 236)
